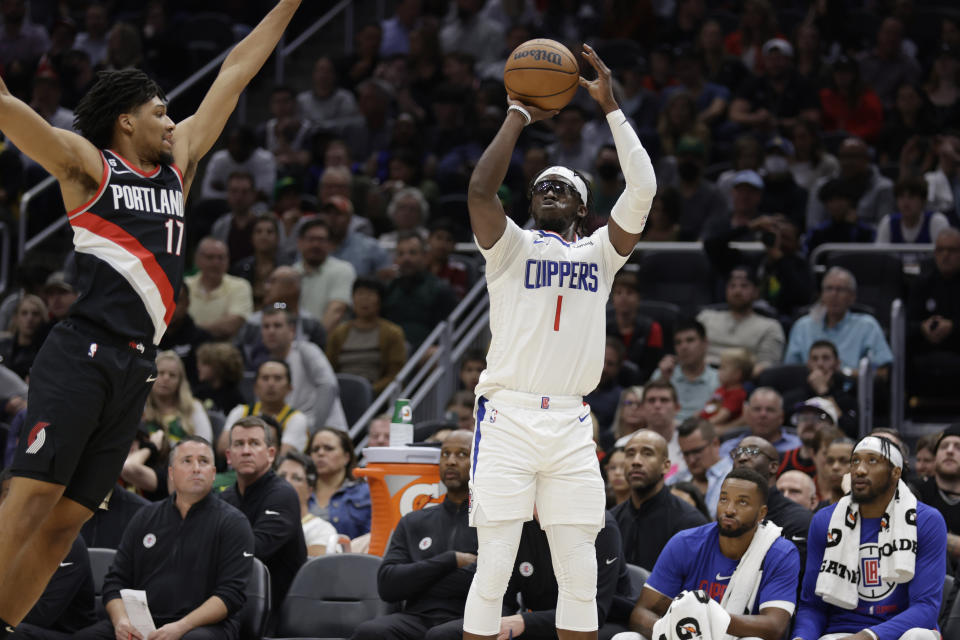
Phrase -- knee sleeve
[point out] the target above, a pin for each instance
(574, 554)
(496, 552)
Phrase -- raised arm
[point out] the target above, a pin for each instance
(70, 158)
(487, 218)
(196, 135)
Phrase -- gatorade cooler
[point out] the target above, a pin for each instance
(401, 479)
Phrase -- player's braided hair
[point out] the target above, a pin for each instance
(114, 92)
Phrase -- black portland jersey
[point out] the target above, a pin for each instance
(130, 240)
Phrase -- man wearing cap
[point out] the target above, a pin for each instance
(941, 490)
(738, 326)
(747, 191)
(776, 99)
(781, 193)
(700, 199)
(58, 294)
(359, 249)
(809, 417)
(870, 192)
(875, 560)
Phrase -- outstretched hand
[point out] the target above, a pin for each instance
(600, 89)
(536, 113)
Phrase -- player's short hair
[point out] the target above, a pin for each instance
(690, 324)
(114, 93)
(751, 475)
(252, 422)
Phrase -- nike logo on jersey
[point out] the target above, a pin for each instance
(611, 560)
(271, 513)
(247, 554)
(720, 577)
(148, 199)
(65, 564)
(584, 417)
(151, 378)
(561, 273)
(539, 241)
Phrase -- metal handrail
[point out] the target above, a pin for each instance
(859, 247)
(284, 50)
(5, 252)
(865, 395)
(898, 344)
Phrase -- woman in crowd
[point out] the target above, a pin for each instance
(338, 498)
(408, 210)
(618, 489)
(171, 407)
(28, 330)
(926, 460)
(629, 416)
(220, 369)
(298, 469)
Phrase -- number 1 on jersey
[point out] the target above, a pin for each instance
(170, 225)
(556, 318)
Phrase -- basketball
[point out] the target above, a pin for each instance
(542, 73)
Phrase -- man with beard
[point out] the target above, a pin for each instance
(942, 491)
(429, 563)
(809, 418)
(652, 515)
(759, 455)
(875, 566)
(710, 559)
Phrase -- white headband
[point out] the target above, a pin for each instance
(883, 447)
(565, 175)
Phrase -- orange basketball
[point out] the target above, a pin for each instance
(542, 73)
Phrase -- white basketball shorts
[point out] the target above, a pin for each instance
(530, 449)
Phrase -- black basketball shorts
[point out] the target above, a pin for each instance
(86, 397)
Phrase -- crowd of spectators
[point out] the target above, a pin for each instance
(323, 242)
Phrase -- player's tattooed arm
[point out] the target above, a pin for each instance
(194, 137)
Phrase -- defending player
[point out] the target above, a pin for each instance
(124, 183)
(548, 291)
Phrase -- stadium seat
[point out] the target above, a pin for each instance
(246, 386)
(356, 394)
(784, 377)
(100, 561)
(256, 611)
(217, 420)
(206, 35)
(879, 279)
(330, 596)
(425, 429)
(638, 577)
(949, 611)
(684, 278)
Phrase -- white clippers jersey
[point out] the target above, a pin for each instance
(547, 311)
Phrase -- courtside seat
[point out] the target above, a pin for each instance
(638, 578)
(255, 613)
(100, 561)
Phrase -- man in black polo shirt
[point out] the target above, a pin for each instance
(942, 490)
(269, 502)
(761, 456)
(67, 604)
(429, 555)
(191, 553)
(652, 514)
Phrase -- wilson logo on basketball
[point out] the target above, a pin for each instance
(552, 57)
(37, 436)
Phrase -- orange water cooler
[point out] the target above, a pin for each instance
(401, 479)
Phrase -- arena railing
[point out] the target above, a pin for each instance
(898, 345)
(865, 375)
(429, 377)
(817, 255)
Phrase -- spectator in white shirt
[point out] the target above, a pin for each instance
(241, 154)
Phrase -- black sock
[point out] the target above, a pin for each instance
(5, 629)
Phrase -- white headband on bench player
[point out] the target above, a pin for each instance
(883, 447)
(565, 175)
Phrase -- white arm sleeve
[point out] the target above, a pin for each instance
(633, 205)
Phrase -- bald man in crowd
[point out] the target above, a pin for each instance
(799, 487)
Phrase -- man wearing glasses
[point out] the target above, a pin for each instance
(759, 455)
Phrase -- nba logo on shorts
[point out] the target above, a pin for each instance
(870, 571)
(93, 349)
(545, 402)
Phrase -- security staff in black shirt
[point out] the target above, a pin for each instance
(192, 553)
(429, 559)
(67, 604)
(269, 502)
(761, 456)
(652, 514)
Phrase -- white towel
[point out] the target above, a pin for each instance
(840, 570)
(692, 614)
(741, 594)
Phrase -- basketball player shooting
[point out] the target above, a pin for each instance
(548, 287)
(124, 181)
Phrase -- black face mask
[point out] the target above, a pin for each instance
(688, 171)
(607, 171)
